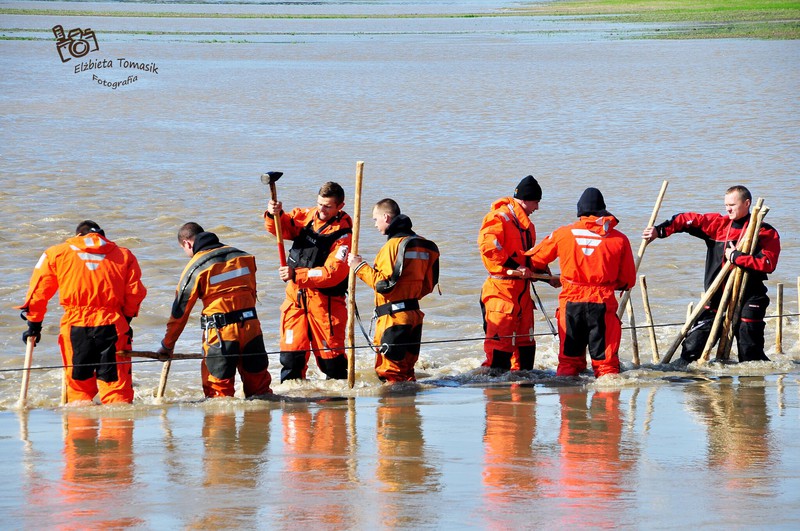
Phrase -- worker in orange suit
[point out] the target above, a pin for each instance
(595, 259)
(506, 304)
(314, 313)
(224, 278)
(100, 286)
(406, 269)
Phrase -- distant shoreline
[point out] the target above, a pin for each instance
(681, 19)
(694, 19)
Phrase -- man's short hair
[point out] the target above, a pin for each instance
(87, 226)
(188, 231)
(334, 190)
(388, 206)
(744, 193)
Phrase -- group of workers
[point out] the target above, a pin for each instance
(101, 291)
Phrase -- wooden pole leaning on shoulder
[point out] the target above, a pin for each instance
(734, 311)
(26, 372)
(724, 311)
(623, 302)
(351, 281)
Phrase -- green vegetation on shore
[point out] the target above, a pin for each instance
(677, 19)
(692, 19)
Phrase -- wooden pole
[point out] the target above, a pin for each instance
(726, 340)
(26, 372)
(699, 308)
(779, 324)
(351, 281)
(162, 382)
(155, 356)
(648, 318)
(735, 305)
(634, 339)
(64, 386)
(689, 310)
(623, 302)
(718, 320)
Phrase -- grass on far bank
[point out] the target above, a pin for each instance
(695, 19)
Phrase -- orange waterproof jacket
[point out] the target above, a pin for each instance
(223, 277)
(410, 276)
(505, 234)
(330, 270)
(595, 258)
(90, 273)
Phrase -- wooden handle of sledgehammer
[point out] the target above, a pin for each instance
(278, 232)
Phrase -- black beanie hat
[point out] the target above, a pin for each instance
(528, 190)
(591, 203)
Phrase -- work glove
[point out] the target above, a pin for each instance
(129, 333)
(34, 331)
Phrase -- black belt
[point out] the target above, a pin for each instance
(218, 320)
(391, 308)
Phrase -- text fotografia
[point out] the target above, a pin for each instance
(97, 64)
(114, 84)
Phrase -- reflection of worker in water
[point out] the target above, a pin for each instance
(233, 449)
(592, 472)
(403, 467)
(318, 461)
(509, 470)
(98, 472)
(739, 438)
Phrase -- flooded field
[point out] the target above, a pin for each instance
(448, 113)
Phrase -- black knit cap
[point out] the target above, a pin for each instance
(87, 226)
(592, 203)
(528, 189)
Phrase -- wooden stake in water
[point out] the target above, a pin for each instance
(634, 339)
(351, 281)
(162, 382)
(648, 318)
(623, 302)
(779, 325)
(26, 371)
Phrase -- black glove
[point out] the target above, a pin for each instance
(34, 331)
(129, 333)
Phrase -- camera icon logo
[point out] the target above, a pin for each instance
(77, 43)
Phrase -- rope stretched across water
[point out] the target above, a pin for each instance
(198, 356)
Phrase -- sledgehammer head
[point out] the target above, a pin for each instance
(270, 177)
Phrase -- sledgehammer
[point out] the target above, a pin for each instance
(270, 178)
